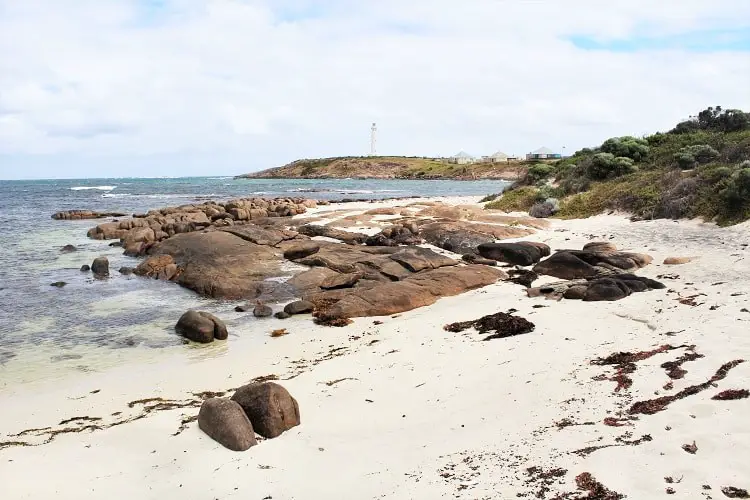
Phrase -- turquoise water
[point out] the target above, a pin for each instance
(92, 323)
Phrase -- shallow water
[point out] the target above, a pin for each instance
(91, 324)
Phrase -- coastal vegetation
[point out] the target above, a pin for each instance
(700, 168)
(389, 167)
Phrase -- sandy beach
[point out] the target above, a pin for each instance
(397, 407)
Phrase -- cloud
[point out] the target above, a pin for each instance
(102, 86)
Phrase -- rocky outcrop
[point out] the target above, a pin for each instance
(270, 408)
(613, 287)
(218, 264)
(463, 237)
(520, 254)
(348, 237)
(100, 266)
(84, 214)
(417, 290)
(202, 327)
(583, 264)
(225, 422)
(406, 233)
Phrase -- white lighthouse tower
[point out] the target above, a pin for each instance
(373, 139)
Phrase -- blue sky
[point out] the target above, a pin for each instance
(220, 87)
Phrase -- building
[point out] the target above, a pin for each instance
(462, 158)
(543, 154)
(497, 157)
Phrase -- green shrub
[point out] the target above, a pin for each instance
(516, 200)
(608, 166)
(539, 172)
(691, 156)
(627, 147)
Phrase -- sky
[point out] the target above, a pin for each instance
(109, 88)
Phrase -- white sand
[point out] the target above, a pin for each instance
(424, 413)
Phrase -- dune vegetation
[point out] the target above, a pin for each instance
(700, 168)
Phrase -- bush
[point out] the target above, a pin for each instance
(516, 200)
(627, 147)
(607, 166)
(539, 172)
(689, 157)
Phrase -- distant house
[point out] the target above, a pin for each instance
(462, 158)
(543, 154)
(497, 157)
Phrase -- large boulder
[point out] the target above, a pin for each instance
(270, 408)
(566, 266)
(585, 264)
(606, 289)
(262, 310)
(100, 266)
(299, 307)
(519, 254)
(202, 327)
(225, 422)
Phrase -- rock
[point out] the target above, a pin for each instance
(299, 307)
(519, 254)
(282, 315)
(241, 309)
(115, 244)
(675, 261)
(68, 249)
(340, 280)
(522, 277)
(415, 291)
(576, 292)
(464, 237)
(225, 422)
(100, 266)
(401, 234)
(201, 327)
(600, 246)
(576, 264)
(301, 250)
(606, 289)
(126, 271)
(475, 259)
(85, 268)
(270, 408)
(262, 311)
(84, 214)
(347, 237)
(58, 284)
(215, 264)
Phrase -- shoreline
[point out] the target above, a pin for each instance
(422, 412)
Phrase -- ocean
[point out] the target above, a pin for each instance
(88, 325)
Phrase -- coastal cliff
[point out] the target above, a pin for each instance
(389, 167)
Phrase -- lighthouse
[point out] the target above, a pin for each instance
(373, 139)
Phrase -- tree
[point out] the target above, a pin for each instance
(627, 147)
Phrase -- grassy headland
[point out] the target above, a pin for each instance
(701, 168)
(389, 167)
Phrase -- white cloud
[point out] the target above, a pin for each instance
(265, 82)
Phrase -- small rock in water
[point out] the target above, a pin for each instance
(85, 268)
(116, 244)
(282, 315)
(58, 284)
(299, 307)
(68, 249)
(201, 327)
(126, 271)
(262, 310)
(225, 422)
(100, 266)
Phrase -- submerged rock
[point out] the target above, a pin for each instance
(58, 284)
(201, 327)
(84, 214)
(225, 422)
(85, 268)
(68, 249)
(100, 266)
(270, 408)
